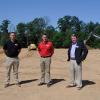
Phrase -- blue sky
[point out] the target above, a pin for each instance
(26, 10)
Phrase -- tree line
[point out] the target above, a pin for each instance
(31, 32)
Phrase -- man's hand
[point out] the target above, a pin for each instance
(78, 62)
(68, 59)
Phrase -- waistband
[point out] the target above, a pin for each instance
(45, 56)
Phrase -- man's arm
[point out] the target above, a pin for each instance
(85, 52)
(52, 49)
(19, 50)
(68, 54)
(5, 48)
(39, 48)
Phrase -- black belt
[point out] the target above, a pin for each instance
(45, 56)
(72, 58)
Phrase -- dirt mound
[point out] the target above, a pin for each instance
(29, 74)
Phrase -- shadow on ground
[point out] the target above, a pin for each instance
(28, 81)
(54, 81)
(87, 82)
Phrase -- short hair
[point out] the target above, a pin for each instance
(44, 33)
(74, 35)
(12, 32)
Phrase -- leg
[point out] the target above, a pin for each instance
(9, 63)
(78, 72)
(15, 69)
(42, 65)
(47, 69)
(72, 73)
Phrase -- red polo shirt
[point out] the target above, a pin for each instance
(45, 49)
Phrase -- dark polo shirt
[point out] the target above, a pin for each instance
(12, 49)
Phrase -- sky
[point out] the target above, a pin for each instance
(26, 10)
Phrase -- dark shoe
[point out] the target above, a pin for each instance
(18, 84)
(6, 85)
(41, 84)
(69, 86)
(48, 84)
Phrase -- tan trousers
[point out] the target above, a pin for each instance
(45, 69)
(12, 63)
(75, 74)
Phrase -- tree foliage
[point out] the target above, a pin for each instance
(4, 31)
(31, 32)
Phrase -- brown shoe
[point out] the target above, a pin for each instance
(40, 84)
(18, 84)
(69, 86)
(6, 85)
(49, 84)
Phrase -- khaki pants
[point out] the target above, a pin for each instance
(75, 74)
(12, 63)
(45, 69)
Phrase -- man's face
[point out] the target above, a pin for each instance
(13, 36)
(74, 39)
(44, 38)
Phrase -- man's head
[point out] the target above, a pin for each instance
(74, 38)
(12, 36)
(44, 38)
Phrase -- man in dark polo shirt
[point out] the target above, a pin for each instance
(12, 49)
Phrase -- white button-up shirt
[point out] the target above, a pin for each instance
(73, 48)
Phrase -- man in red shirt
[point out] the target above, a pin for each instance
(46, 50)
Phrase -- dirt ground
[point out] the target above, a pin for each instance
(29, 75)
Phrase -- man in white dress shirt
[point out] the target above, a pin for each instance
(77, 52)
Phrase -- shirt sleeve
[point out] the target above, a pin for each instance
(85, 51)
(19, 46)
(5, 46)
(39, 48)
(52, 49)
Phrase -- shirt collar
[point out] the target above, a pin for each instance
(74, 43)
